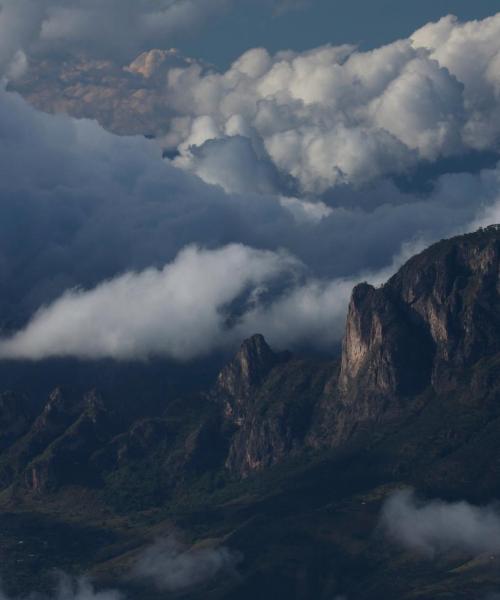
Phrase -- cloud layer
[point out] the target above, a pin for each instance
(334, 115)
(313, 121)
(204, 300)
(94, 227)
(109, 28)
(437, 527)
(179, 311)
(80, 207)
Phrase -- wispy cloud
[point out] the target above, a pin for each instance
(167, 564)
(73, 589)
(435, 527)
(172, 567)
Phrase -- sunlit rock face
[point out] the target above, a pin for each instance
(438, 313)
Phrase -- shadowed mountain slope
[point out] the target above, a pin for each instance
(284, 459)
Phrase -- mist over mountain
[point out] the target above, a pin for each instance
(249, 311)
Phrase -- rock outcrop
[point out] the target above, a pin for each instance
(66, 460)
(268, 402)
(405, 342)
(440, 313)
(384, 352)
(275, 421)
(241, 378)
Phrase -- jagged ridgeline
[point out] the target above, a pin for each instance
(287, 459)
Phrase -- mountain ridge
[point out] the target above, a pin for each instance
(412, 400)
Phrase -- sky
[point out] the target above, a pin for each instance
(304, 25)
(167, 190)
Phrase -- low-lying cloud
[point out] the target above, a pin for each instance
(71, 589)
(435, 527)
(178, 311)
(203, 301)
(171, 567)
(167, 564)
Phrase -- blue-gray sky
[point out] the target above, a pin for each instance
(369, 23)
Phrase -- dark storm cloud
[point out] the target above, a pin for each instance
(80, 207)
(107, 250)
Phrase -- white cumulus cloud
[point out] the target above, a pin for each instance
(323, 118)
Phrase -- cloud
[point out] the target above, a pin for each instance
(335, 115)
(87, 217)
(323, 118)
(437, 527)
(233, 163)
(179, 311)
(105, 28)
(70, 589)
(168, 564)
(172, 567)
(304, 211)
(203, 301)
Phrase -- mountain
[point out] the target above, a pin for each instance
(285, 459)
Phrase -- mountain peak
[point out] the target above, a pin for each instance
(438, 313)
(252, 363)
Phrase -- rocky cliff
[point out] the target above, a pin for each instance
(271, 416)
(405, 342)
(239, 381)
(440, 312)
